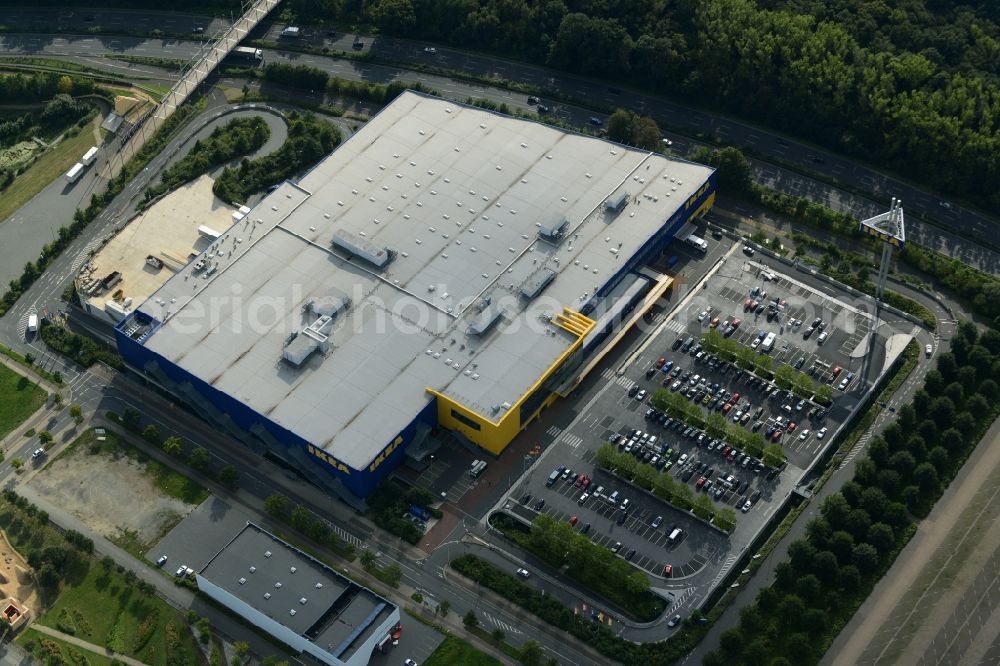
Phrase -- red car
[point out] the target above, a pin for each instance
(792, 426)
(659, 364)
(736, 323)
(746, 304)
(700, 483)
(836, 371)
(586, 483)
(725, 451)
(777, 435)
(668, 570)
(727, 407)
(572, 521)
(735, 399)
(579, 480)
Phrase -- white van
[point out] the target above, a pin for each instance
(32, 323)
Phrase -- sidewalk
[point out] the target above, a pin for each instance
(73, 640)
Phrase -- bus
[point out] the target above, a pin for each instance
(74, 173)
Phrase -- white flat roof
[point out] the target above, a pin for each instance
(459, 195)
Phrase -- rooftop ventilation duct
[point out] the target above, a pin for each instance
(314, 336)
(537, 282)
(553, 233)
(359, 247)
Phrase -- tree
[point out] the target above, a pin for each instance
(17, 464)
(131, 418)
(300, 518)
(276, 504)
(242, 649)
(498, 635)
(882, 537)
(531, 652)
(784, 376)
(368, 558)
(173, 446)
(823, 394)
(151, 433)
(444, 607)
(605, 456)
(229, 476)
(715, 424)
(45, 437)
(725, 519)
(394, 17)
(731, 642)
(646, 134)
(620, 126)
(594, 45)
(393, 574)
(470, 620)
(76, 412)
(774, 455)
(200, 459)
(29, 358)
(865, 557)
(703, 507)
(926, 477)
(804, 386)
(849, 578)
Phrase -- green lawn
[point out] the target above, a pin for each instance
(19, 398)
(44, 645)
(105, 609)
(454, 651)
(51, 165)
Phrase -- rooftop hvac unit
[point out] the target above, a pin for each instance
(537, 282)
(615, 204)
(208, 232)
(359, 247)
(553, 233)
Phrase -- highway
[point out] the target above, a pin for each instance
(97, 391)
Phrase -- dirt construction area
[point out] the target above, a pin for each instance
(113, 493)
(15, 578)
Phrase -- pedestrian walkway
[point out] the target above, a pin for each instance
(80, 643)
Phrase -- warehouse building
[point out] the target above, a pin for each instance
(298, 600)
(445, 267)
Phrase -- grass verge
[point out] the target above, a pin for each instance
(47, 649)
(19, 399)
(50, 165)
(454, 651)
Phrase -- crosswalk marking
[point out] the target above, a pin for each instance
(676, 326)
(681, 598)
(608, 373)
(572, 440)
(625, 383)
(22, 324)
(554, 431)
(508, 628)
(857, 448)
(726, 566)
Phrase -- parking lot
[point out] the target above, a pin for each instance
(732, 478)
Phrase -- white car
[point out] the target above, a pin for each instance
(843, 383)
(410, 662)
(641, 395)
(929, 350)
(430, 49)
(161, 560)
(746, 506)
(702, 316)
(803, 435)
(37, 453)
(523, 573)
(821, 434)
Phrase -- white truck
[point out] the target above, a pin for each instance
(32, 323)
(768, 343)
(75, 172)
(697, 242)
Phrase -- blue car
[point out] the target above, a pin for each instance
(667, 366)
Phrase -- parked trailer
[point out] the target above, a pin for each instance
(89, 156)
(74, 173)
(247, 53)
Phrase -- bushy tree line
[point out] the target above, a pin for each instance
(80, 349)
(390, 504)
(311, 78)
(239, 136)
(600, 636)
(860, 529)
(26, 88)
(309, 139)
(882, 82)
(664, 486)
(596, 567)
(980, 290)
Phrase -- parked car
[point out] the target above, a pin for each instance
(523, 573)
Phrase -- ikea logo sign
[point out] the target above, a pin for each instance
(697, 195)
(386, 452)
(327, 458)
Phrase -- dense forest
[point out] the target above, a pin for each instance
(911, 84)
